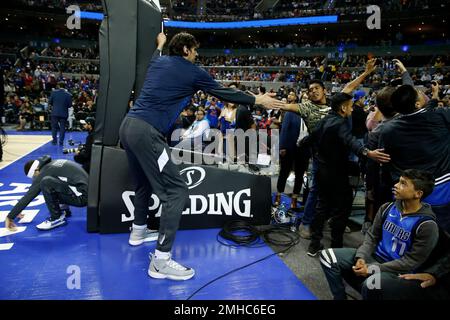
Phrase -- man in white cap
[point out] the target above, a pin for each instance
(62, 182)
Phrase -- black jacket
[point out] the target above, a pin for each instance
(332, 139)
(420, 140)
(61, 101)
(64, 170)
(84, 157)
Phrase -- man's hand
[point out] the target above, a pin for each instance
(268, 102)
(360, 268)
(282, 152)
(427, 279)
(370, 66)
(360, 262)
(9, 224)
(161, 40)
(435, 89)
(379, 156)
(401, 68)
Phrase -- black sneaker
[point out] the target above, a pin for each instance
(314, 249)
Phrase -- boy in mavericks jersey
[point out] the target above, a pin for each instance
(402, 236)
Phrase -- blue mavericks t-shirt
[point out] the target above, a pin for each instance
(397, 234)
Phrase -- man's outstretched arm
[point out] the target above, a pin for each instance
(351, 86)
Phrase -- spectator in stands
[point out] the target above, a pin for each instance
(358, 122)
(227, 118)
(187, 117)
(312, 111)
(290, 158)
(431, 283)
(199, 128)
(212, 113)
(378, 179)
(25, 115)
(61, 101)
(421, 140)
(332, 141)
(394, 245)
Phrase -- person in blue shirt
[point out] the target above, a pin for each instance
(169, 86)
(403, 235)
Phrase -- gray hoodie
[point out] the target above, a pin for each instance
(64, 170)
(425, 240)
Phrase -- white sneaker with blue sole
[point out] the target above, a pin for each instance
(51, 224)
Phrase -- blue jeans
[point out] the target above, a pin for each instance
(310, 205)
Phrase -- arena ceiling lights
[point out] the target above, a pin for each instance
(233, 24)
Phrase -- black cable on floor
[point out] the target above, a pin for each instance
(250, 237)
(240, 232)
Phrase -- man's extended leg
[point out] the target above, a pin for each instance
(139, 232)
(151, 151)
(57, 192)
(54, 121)
(62, 130)
(337, 265)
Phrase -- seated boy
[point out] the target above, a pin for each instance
(402, 236)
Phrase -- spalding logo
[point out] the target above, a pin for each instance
(194, 176)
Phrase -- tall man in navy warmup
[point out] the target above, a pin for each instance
(169, 85)
(61, 101)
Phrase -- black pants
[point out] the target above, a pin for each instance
(297, 159)
(394, 288)
(58, 123)
(337, 266)
(335, 199)
(150, 165)
(58, 192)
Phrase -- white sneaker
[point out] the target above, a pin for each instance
(138, 237)
(49, 224)
(169, 269)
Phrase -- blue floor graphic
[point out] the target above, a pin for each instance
(69, 263)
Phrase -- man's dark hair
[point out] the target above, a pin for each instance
(338, 99)
(422, 181)
(27, 166)
(179, 41)
(262, 89)
(404, 99)
(383, 102)
(319, 82)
